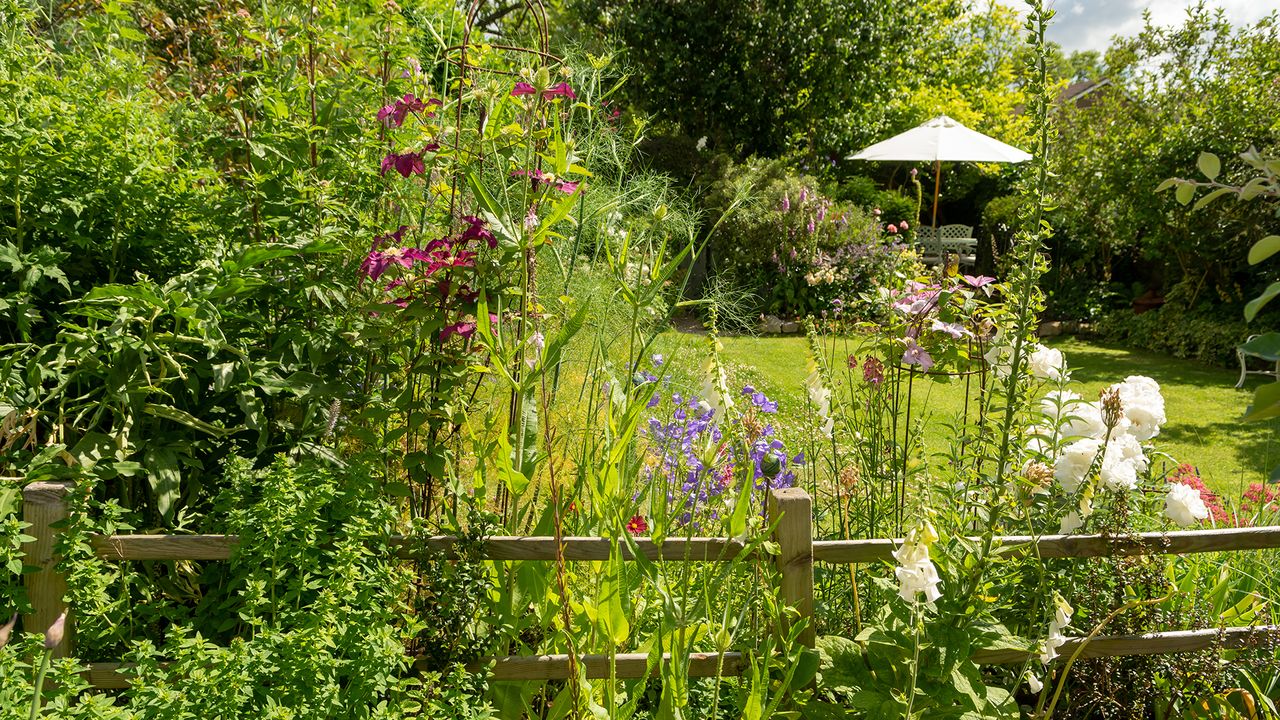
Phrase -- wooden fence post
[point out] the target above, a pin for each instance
(793, 510)
(43, 504)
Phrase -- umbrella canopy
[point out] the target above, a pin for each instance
(942, 139)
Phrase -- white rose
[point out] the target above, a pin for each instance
(1183, 505)
(1085, 420)
(1047, 363)
(1143, 405)
(1073, 465)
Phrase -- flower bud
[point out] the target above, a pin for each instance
(6, 630)
(54, 635)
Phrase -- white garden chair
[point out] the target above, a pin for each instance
(1264, 347)
(959, 240)
(930, 246)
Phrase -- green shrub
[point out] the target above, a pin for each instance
(894, 206)
(798, 250)
(1177, 332)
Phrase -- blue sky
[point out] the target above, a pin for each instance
(1089, 24)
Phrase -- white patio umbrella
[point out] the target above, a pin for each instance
(942, 139)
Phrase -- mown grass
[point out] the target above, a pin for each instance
(1202, 404)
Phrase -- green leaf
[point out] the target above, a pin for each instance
(1214, 195)
(1266, 403)
(1256, 304)
(181, 416)
(1185, 193)
(1209, 165)
(1264, 248)
(164, 475)
(1265, 346)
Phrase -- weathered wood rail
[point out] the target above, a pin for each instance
(44, 505)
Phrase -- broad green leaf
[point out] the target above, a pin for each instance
(1256, 304)
(1266, 403)
(1264, 248)
(1185, 193)
(1209, 165)
(1265, 346)
(164, 475)
(1166, 184)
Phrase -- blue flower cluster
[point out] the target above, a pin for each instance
(687, 453)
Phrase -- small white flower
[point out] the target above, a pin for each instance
(1061, 619)
(916, 573)
(1047, 363)
(1183, 505)
(1070, 523)
(1034, 684)
(702, 143)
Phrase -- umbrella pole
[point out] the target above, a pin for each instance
(937, 185)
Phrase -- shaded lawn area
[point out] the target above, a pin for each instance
(1201, 403)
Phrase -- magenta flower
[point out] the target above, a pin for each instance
(397, 237)
(393, 115)
(522, 88)
(538, 177)
(464, 329)
(916, 355)
(977, 281)
(559, 90)
(406, 164)
(377, 261)
(476, 230)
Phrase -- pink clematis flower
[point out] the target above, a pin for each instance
(522, 88)
(377, 261)
(916, 355)
(977, 281)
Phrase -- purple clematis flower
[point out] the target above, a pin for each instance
(393, 115)
(476, 230)
(522, 88)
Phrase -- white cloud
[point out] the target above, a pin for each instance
(1090, 24)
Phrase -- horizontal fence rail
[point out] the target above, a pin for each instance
(700, 549)
(44, 507)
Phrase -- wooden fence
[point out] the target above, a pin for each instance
(44, 505)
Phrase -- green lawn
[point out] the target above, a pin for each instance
(1202, 404)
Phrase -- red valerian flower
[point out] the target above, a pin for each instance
(477, 231)
(522, 88)
(637, 525)
(559, 90)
